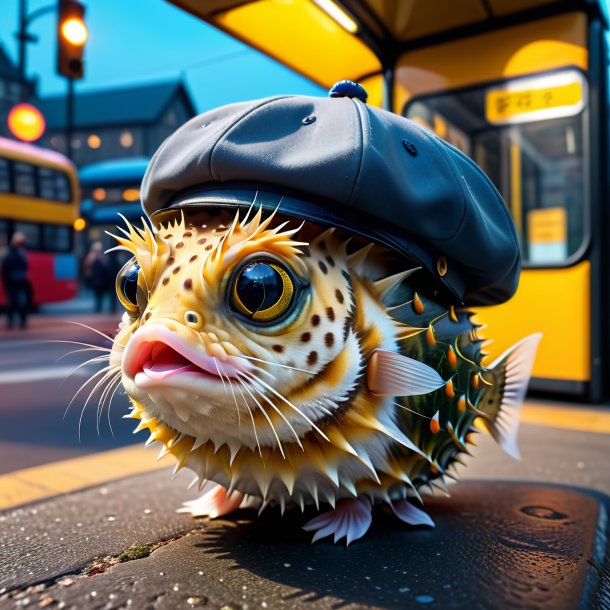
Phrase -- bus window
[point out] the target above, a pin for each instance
(63, 192)
(25, 179)
(56, 238)
(46, 183)
(5, 176)
(31, 232)
(3, 236)
(53, 184)
(527, 135)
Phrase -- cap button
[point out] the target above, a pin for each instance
(348, 88)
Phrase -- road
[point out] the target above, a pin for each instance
(37, 381)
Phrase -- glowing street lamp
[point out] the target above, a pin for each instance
(26, 122)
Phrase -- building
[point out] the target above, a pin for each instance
(11, 90)
(117, 123)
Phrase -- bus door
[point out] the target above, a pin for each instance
(524, 103)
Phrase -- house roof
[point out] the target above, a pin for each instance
(124, 106)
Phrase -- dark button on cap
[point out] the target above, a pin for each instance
(411, 148)
(348, 88)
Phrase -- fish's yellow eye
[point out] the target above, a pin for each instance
(262, 290)
(127, 286)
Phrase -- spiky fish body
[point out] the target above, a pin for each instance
(348, 387)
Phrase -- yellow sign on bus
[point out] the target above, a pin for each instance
(535, 99)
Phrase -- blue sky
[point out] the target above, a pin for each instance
(138, 41)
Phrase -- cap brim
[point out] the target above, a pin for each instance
(327, 214)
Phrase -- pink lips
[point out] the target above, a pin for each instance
(156, 354)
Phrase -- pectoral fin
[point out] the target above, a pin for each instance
(392, 374)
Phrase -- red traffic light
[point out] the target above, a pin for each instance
(72, 34)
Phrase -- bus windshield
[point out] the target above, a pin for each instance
(529, 136)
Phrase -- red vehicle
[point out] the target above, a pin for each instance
(39, 197)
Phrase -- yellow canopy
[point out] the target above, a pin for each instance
(303, 35)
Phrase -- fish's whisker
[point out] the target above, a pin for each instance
(109, 374)
(265, 415)
(104, 358)
(224, 385)
(95, 330)
(83, 386)
(412, 411)
(284, 366)
(97, 347)
(234, 397)
(116, 387)
(260, 451)
(105, 393)
(78, 351)
(292, 406)
(91, 393)
(253, 380)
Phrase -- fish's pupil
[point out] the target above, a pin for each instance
(259, 286)
(129, 283)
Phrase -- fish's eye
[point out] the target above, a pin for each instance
(127, 286)
(262, 290)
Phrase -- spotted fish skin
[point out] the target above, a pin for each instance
(295, 421)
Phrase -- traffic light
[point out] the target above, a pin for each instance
(71, 37)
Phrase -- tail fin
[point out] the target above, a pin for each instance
(502, 401)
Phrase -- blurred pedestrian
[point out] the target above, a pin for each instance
(98, 275)
(16, 283)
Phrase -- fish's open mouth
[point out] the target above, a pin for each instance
(158, 356)
(160, 362)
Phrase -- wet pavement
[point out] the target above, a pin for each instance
(495, 546)
(535, 538)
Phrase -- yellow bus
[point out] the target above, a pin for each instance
(521, 87)
(39, 197)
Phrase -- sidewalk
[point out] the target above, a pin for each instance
(123, 546)
(512, 535)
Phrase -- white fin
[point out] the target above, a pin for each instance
(351, 519)
(408, 513)
(502, 403)
(214, 503)
(392, 374)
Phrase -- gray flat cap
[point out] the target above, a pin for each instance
(339, 162)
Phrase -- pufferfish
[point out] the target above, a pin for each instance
(294, 367)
